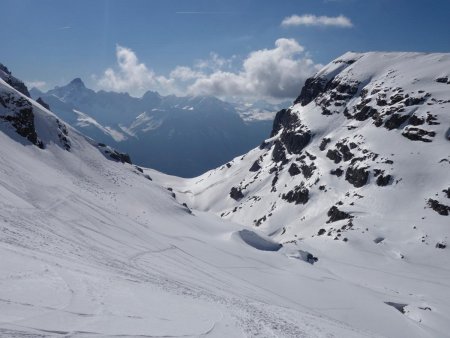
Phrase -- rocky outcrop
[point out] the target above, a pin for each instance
(313, 87)
(20, 115)
(236, 193)
(358, 177)
(418, 134)
(335, 215)
(6, 75)
(440, 208)
(43, 103)
(299, 195)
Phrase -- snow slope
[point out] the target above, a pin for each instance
(92, 247)
(357, 173)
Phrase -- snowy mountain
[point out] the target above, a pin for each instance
(357, 170)
(93, 246)
(160, 131)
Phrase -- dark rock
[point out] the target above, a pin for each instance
(395, 121)
(398, 306)
(13, 82)
(308, 170)
(43, 103)
(443, 80)
(417, 134)
(321, 232)
(416, 121)
(255, 166)
(364, 113)
(22, 118)
(338, 172)
(441, 245)
(383, 180)
(412, 101)
(345, 151)
(278, 152)
(447, 192)
(294, 170)
(432, 119)
(274, 181)
(324, 143)
(357, 176)
(334, 155)
(120, 157)
(396, 98)
(440, 208)
(335, 215)
(260, 221)
(313, 88)
(299, 195)
(295, 142)
(62, 134)
(285, 118)
(236, 193)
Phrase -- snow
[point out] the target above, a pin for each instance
(84, 121)
(406, 267)
(91, 248)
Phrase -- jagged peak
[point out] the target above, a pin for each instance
(77, 82)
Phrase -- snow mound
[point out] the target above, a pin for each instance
(257, 241)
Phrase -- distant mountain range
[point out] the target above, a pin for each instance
(161, 132)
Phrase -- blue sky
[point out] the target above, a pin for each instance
(50, 42)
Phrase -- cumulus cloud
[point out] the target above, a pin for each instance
(130, 75)
(313, 20)
(273, 74)
(276, 73)
(36, 84)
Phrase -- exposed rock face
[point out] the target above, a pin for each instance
(283, 119)
(440, 208)
(299, 195)
(236, 193)
(279, 152)
(6, 75)
(312, 88)
(121, 157)
(255, 166)
(294, 169)
(418, 134)
(383, 181)
(295, 142)
(43, 103)
(294, 137)
(19, 113)
(335, 215)
(357, 176)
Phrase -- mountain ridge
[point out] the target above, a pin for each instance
(160, 131)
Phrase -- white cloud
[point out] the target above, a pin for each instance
(36, 84)
(273, 74)
(313, 20)
(276, 73)
(131, 75)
